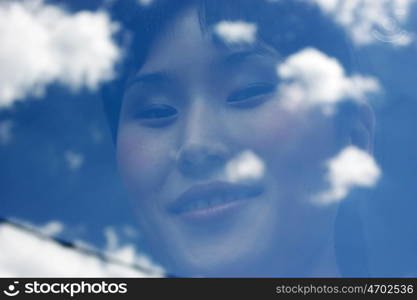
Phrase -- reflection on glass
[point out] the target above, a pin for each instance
(211, 97)
(251, 137)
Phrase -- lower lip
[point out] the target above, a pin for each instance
(214, 212)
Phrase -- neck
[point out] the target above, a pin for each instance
(320, 263)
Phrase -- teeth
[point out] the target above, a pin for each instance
(213, 201)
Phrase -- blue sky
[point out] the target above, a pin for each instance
(58, 160)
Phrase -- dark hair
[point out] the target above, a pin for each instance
(142, 25)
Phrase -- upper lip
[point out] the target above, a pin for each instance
(213, 189)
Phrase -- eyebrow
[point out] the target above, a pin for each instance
(240, 55)
(235, 56)
(148, 78)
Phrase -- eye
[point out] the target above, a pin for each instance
(157, 115)
(251, 95)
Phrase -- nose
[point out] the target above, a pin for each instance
(201, 160)
(203, 150)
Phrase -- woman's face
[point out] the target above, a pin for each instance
(220, 172)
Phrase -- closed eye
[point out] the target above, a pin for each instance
(157, 115)
(251, 95)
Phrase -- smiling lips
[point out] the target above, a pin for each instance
(211, 199)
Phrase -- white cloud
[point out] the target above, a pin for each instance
(74, 160)
(235, 32)
(369, 21)
(52, 228)
(25, 255)
(313, 78)
(41, 44)
(352, 167)
(6, 136)
(127, 252)
(111, 238)
(245, 166)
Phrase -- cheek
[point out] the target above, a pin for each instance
(273, 127)
(267, 127)
(143, 158)
(285, 139)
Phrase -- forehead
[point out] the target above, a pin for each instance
(186, 44)
(181, 41)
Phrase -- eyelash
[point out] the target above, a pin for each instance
(157, 115)
(251, 96)
(161, 115)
